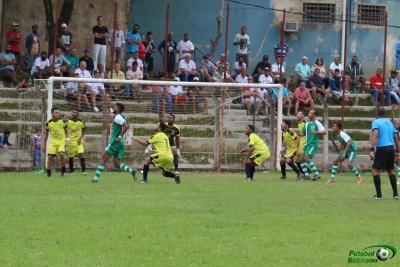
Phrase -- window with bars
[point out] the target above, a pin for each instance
(371, 14)
(318, 13)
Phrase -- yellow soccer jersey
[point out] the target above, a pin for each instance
(57, 130)
(259, 145)
(290, 139)
(172, 131)
(75, 129)
(301, 125)
(161, 143)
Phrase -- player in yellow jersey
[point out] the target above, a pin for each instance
(58, 140)
(173, 132)
(301, 124)
(163, 158)
(289, 152)
(257, 152)
(76, 129)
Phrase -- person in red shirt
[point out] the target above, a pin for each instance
(142, 50)
(376, 82)
(14, 39)
(302, 97)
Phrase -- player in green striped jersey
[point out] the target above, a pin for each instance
(349, 151)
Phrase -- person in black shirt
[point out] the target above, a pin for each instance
(171, 48)
(259, 70)
(88, 60)
(100, 34)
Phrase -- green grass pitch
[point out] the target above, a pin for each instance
(209, 219)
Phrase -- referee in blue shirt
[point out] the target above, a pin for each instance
(384, 141)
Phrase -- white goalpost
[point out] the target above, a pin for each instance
(200, 128)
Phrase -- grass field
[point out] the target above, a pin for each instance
(208, 220)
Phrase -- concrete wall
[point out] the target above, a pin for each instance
(29, 12)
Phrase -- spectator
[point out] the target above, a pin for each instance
(266, 78)
(32, 44)
(242, 77)
(355, 75)
(142, 49)
(150, 49)
(375, 85)
(177, 94)
(195, 96)
(14, 39)
(221, 63)
(336, 65)
(275, 69)
(259, 95)
(316, 85)
(260, 67)
(37, 143)
(7, 63)
(171, 50)
(132, 42)
(4, 144)
(135, 74)
(94, 93)
(206, 69)
(100, 34)
(73, 92)
(88, 60)
(185, 46)
(336, 87)
(61, 64)
(41, 66)
(160, 94)
(302, 97)
(220, 76)
(140, 64)
(73, 60)
(248, 97)
(319, 63)
(242, 43)
(84, 73)
(116, 73)
(65, 40)
(187, 69)
(286, 101)
(392, 89)
(102, 71)
(397, 48)
(119, 43)
(237, 67)
(278, 50)
(302, 70)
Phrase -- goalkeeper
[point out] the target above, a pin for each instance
(163, 157)
(173, 132)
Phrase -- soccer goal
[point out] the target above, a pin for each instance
(211, 117)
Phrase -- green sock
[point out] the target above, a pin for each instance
(312, 166)
(123, 167)
(303, 165)
(99, 170)
(334, 170)
(354, 169)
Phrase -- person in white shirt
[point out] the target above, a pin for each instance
(219, 76)
(242, 78)
(242, 43)
(248, 98)
(266, 78)
(95, 92)
(134, 74)
(119, 44)
(187, 69)
(83, 73)
(275, 69)
(73, 92)
(140, 64)
(41, 66)
(206, 69)
(61, 64)
(185, 46)
(177, 95)
(336, 65)
(237, 67)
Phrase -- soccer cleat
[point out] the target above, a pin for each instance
(300, 176)
(134, 174)
(248, 179)
(63, 175)
(177, 178)
(360, 180)
(84, 173)
(376, 197)
(143, 181)
(283, 177)
(396, 198)
(316, 177)
(176, 172)
(331, 181)
(93, 181)
(307, 178)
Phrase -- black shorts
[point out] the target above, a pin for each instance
(17, 56)
(170, 65)
(384, 158)
(148, 64)
(70, 98)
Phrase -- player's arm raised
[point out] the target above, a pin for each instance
(142, 142)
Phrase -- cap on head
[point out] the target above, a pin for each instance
(64, 25)
(394, 71)
(177, 79)
(87, 50)
(266, 68)
(265, 57)
(15, 24)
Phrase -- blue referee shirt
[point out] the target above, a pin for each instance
(386, 132)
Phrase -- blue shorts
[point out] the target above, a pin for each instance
(7, 72)
(198, 99)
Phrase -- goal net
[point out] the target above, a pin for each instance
(212, 122)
